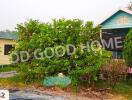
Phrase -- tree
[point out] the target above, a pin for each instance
(128, 48)
(130, 6)
(34, 34)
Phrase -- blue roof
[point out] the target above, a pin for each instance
(115, 20)
(8, 35)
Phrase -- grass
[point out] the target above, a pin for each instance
(7, 68)
(124, 89)
(16, 82)
(11, 82)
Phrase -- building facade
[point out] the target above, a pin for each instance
(7, 43)
(116, 27)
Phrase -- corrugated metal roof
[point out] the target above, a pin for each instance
(8, 35)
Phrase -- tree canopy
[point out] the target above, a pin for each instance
(34, 34)
(128, 48)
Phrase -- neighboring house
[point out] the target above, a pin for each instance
(117, 25)
(7, 42)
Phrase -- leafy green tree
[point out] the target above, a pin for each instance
(34, 34)
(128, 48)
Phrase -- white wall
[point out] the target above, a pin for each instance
(4, 59)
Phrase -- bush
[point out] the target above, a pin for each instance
(128, 48)
(114, 72)
(34, 35)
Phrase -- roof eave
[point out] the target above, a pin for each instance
(127, 11)
(7, 39)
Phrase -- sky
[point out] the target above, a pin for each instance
(13, 12)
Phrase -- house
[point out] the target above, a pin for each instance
(116, 25)
(7, 42)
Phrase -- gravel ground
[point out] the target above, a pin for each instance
(8, 74)
(35, 95)
(29, 94)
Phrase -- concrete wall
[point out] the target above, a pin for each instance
(4, 59)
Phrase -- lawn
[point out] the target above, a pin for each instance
(124, 89)
(7, 68)
(12, 82)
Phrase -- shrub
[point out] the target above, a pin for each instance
(128, 48)
(114, 72)
(34, 35)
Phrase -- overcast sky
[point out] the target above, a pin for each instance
(17, 11)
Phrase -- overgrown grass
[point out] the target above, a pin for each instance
(16, 82)
(7, 68)
(12, 82)
(124, 89)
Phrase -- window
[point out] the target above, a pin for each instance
(123, 20)
(7, 49)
